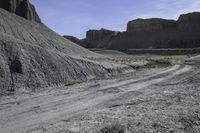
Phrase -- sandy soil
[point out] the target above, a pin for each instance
(148, 101)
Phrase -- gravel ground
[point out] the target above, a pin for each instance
(157, 100)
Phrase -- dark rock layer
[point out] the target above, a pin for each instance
(22, 8)
(151, 25)
(160, 33)
(97, 38)
(94, 38)
(151, 33)
(189, 22)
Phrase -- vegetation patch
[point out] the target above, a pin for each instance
(167, 51)
(116, 128)
(160, 62)
(96, 49)
(152, 59)
(73, 82)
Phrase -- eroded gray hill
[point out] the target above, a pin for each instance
(33, 56)
(74, 39)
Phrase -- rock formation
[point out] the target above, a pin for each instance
(22, 8)
(160, 33)
(189, 22)
(94, 38)
(33, 56)
(152, 33)
(151, 25)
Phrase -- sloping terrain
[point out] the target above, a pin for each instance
(33, 56)
(158, 100)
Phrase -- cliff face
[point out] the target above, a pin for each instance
(21, 8)
(151, 25)
(96, 38)
(149, 33)
(189, 22)
(160, 33)
(186, 22)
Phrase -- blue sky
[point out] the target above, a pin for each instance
(75, 17)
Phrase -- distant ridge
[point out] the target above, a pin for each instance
(153, 33)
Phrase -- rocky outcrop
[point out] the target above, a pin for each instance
(94, 38)
(98, 37)
(152, 33)
(151, 25)
(32, 56)
(22, 8)
(160, 33)
(189, 22)
(186, 22)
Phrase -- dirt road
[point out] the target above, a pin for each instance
(89, 102)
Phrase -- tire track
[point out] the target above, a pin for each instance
(50, 108)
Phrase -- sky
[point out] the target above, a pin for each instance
(75, 17)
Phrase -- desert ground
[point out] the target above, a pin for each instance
(143, 79)
(162, 96)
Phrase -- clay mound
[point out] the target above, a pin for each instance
(33, 56)
(37, 34)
